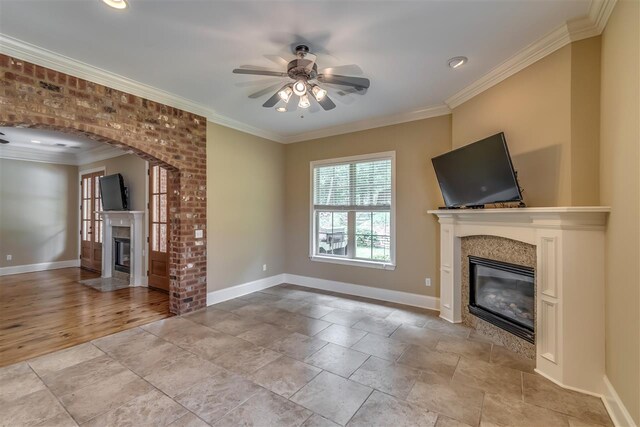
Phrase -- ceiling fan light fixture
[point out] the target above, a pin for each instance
(318, 92)
(304, 101)
(300, 87)
(457, 62)
(116, 4)
(285, 94)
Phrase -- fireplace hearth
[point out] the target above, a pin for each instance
(503, 294)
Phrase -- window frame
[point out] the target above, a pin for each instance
(339, 259)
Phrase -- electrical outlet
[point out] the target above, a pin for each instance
(9, 257)
(264, 267)
(199, 234)
(427, 281)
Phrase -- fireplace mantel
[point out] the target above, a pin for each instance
(134, 220)
(570, 281)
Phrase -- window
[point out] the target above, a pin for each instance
(352, 212)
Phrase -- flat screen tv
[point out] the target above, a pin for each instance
(477, 174)
(113, 193)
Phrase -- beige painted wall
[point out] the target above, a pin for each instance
(134, 173)
(38, 212)
(245, 207)
(620, 189)
(417, 191)
(585, 122)
(533, 108)
(550, 115)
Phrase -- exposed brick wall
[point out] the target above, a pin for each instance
(34, 96)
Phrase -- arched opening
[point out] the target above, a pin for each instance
(36, 97)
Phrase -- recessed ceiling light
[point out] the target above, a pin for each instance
(457, 61)
(35, 141)
(281, 109)
(116, 4)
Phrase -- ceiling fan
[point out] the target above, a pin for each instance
(304, 72)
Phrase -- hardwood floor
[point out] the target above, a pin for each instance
(49, 310)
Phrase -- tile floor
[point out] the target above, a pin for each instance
(290, 356)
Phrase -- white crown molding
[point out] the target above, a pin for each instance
(425, 113)
(591, 25)
(99, 153)
(28, 155)
(28, 52)
(73, 159)
(577, 29)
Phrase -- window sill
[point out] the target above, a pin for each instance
(354, 262)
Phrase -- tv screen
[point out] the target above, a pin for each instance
(113, 193)
(477, 174)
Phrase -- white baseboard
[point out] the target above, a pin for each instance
(415, 300)
(617, 411)
(236, 291)
(29, 268)
(612, 403)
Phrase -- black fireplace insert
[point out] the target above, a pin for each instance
(503, 294)
(122, 254)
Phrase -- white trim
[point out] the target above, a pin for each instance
(61, 158)
(612, 402)
(377, 122)
(568, 387)
(28, 52)
(29, 268)
(616, 409)
(391, 265)
(577, 29)
(406, 298)
(236, 291)
(571, 31)
(354, 262)
(102, 169)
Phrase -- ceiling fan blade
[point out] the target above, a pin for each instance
(292, 105)
(277, 59)
(253, 83)
(264, 91)
(345, 91)
(311, 58)
(326, 103)
(274, 99)
(358, 82)
(346, 69)
(259, 72)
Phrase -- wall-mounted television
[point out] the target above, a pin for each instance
(113, 193)
(477, 174)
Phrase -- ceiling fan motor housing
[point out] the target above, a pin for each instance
(299, 67)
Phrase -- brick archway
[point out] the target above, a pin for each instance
(37, 97)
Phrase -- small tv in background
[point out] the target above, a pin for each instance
(477, 174)
(113, 193)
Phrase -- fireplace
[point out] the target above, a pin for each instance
(503, 294)
(122, 254)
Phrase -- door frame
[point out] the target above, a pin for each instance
(145, 252)
(147, 257)
(102, 169)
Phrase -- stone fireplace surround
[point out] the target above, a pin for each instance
(569, 242)
(499, 249)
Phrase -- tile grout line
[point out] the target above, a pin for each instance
(52, 393)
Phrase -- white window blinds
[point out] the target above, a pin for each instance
(354, 186)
